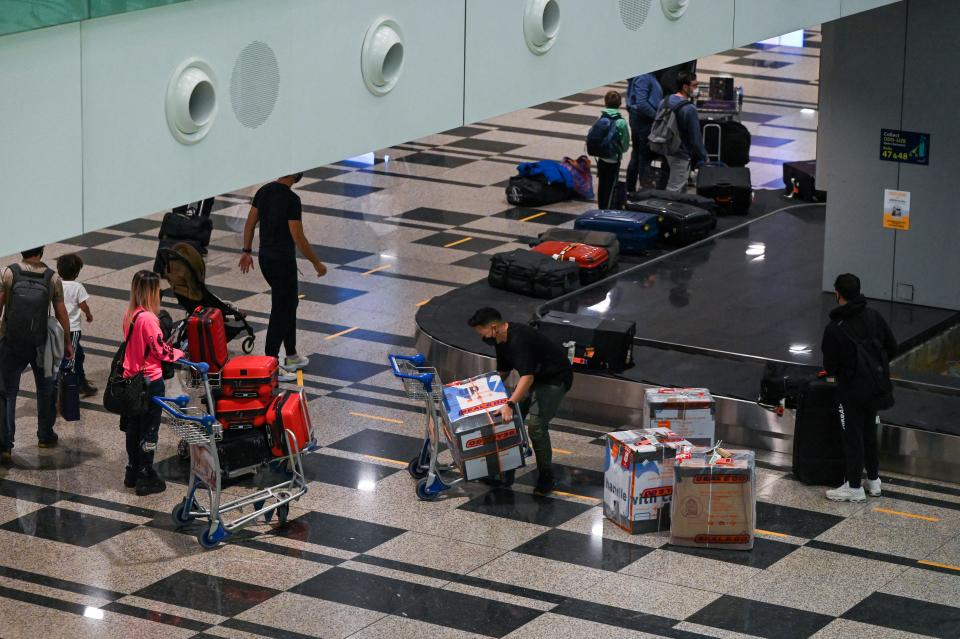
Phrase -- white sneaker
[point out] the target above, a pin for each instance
(845, 493)
(295, 363)
(283, 375)
(872, 486)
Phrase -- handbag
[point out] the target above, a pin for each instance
(127, 396)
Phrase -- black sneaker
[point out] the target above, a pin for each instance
(87, 389)
(544, 485)
(49, 443)
(130, 477)
(6, 456)
(149, 483)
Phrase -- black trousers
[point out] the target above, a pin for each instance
(607, 173)
(142, 431)
(859, 440)
(281, 275)
(640, 155)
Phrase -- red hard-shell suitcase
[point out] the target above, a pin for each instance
(249, 376)
(242, 413)
(593, 261)
(288, 411)
(207, 338)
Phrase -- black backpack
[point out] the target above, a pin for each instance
(28, 307)
(870, 379)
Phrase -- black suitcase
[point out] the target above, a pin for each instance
(728, 186)
(671, 196)
(602, 239)
(679, 223)
(817, 435)
(591, 342)
(735, 142)
(534, 191)
(241, 451)
(782, 382)
(554, 278)
(800, 179)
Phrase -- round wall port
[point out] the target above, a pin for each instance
(541, 24)
(381, 60)
(191, 103)
(674, 9)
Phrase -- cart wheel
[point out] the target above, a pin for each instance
(205, 540)
(423, 492)
(283, 511)
(183, 449)
(181, 513)
(414, 468)
(247, 344)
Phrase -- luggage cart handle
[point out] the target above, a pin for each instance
(416, 360)
(201, 367)
(172, 404)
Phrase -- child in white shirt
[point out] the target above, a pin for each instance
(75, 298)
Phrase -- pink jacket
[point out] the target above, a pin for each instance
(146, 348)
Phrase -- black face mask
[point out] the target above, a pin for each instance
(492, 341)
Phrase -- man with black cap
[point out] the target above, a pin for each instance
(857, 348)
(545, 377)
(277, 209)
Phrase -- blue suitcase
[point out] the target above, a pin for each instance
(635, 230)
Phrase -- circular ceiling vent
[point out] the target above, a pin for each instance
(191, 101)
(674, 9)
(541, 24)
(381, 60)
(255, 84)
(634, 13)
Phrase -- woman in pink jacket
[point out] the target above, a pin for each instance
(146, 351)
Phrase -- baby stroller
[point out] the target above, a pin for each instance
(186, 273)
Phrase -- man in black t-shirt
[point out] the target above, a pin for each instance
(276, 208)
(545, 377)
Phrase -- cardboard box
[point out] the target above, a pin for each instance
(689, 412)
(481, 446)
(638, 478)
(714, 501)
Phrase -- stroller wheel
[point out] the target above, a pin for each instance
(247, 344)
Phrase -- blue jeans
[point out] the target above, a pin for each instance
(12, 365)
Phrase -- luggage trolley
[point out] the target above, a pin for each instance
(423, 383)
(201, 431)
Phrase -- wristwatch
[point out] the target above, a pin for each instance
(246, 250)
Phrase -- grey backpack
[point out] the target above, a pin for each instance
(664, 135)
(28, 307)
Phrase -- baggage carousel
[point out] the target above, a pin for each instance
(712, 315)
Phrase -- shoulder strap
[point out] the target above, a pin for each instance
(132, 323)
(680, 105)
(15, 270)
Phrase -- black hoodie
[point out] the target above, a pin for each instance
(839, 352)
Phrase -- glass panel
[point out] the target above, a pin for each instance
(23, 15)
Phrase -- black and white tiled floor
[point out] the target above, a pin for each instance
(80, 556)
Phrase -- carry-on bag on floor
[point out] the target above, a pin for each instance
(242, 413)
(593, 261)
(248, 376)
(602, 239)
(554, 279)
(728, 186)
(634, 199)
(817, 435)
(800, 179)
(288, 411)
(207, 338)
(591, 342)
(636, 231)
(679, 223)
(535, 191)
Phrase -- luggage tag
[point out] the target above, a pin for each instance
(625, 461)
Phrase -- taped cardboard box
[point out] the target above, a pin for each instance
(481, 446)
(714, 500)
(638, 478)
(689, 412)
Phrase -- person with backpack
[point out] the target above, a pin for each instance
(30, 287)
(857, 348)
(643, 97)
(146, 352)
(607, 141)
(676, 134)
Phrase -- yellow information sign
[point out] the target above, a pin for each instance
(896, 210)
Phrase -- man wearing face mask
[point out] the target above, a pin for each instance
(691, 149)
(545, 377)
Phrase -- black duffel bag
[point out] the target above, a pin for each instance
(183, 224)
(535, 191)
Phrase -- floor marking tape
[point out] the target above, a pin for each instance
(377, 417)
(451, 244)
(344, 332)
(903, 514)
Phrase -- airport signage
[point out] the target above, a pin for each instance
(906, 147)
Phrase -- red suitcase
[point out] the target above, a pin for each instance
(593, 261)
(238, 414)
(207, 338)
(288, 411)
(249, 376)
